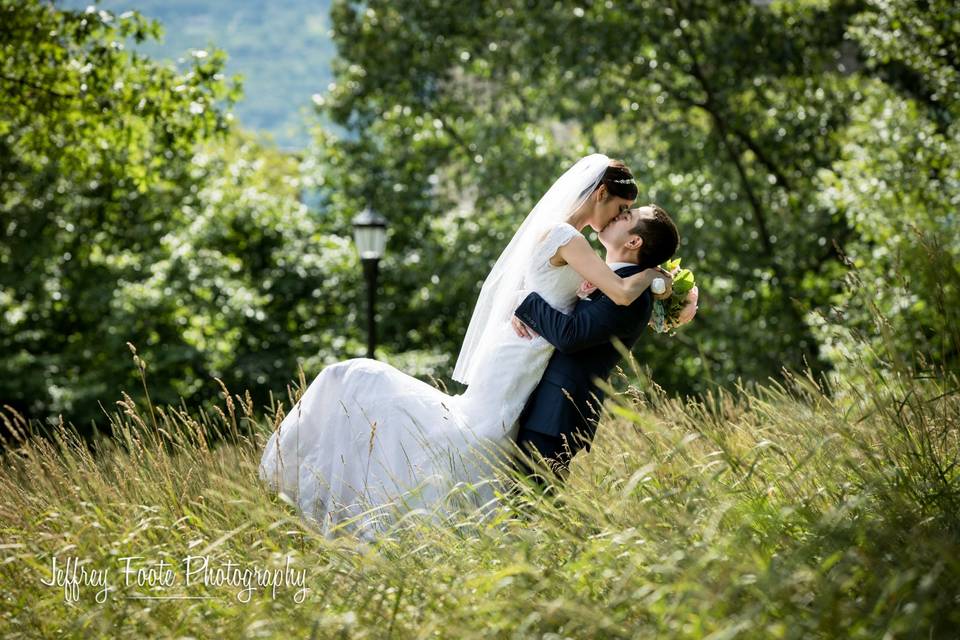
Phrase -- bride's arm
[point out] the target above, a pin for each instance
(580, 255)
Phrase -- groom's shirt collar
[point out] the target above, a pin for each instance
(615, 266)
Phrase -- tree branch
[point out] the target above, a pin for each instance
(761, 156)
(456, 137)
(740, 134)
(759, 216)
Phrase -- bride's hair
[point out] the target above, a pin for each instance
(619, 181)
(660, 237)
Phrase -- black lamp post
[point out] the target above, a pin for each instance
(370, 236)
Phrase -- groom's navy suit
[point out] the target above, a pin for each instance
(560, 416)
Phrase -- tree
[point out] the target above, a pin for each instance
(460, 117)
(133, 212)
(897, 182)
(95, 167)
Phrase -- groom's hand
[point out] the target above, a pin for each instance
(521, 329)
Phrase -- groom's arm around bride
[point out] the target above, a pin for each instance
(560, 416)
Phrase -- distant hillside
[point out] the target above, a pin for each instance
(281, 48)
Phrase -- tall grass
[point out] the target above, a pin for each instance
(778, 511)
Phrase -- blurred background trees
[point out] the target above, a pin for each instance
(790, 141)
(132, 212)
(896, 181)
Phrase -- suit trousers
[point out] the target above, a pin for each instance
(557, 452)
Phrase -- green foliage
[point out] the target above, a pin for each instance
(131, 215)
(916, 48)
(897, 183)
(95, 155)
(249, 286)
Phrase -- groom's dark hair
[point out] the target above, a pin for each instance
(660, 237)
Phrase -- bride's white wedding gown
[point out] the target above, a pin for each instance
(365, 438)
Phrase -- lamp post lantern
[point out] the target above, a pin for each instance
(370, 236)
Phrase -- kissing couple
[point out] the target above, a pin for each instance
(366, 443)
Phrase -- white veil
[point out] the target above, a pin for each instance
(498, 296)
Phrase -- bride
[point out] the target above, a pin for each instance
(366, 442)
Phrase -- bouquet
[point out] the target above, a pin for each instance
(679, 309)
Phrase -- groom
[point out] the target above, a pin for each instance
(560, 416)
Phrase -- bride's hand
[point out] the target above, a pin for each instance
(578, 254)
(638, 283)
(667, 281)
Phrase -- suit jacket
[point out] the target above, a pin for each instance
(584, 352)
